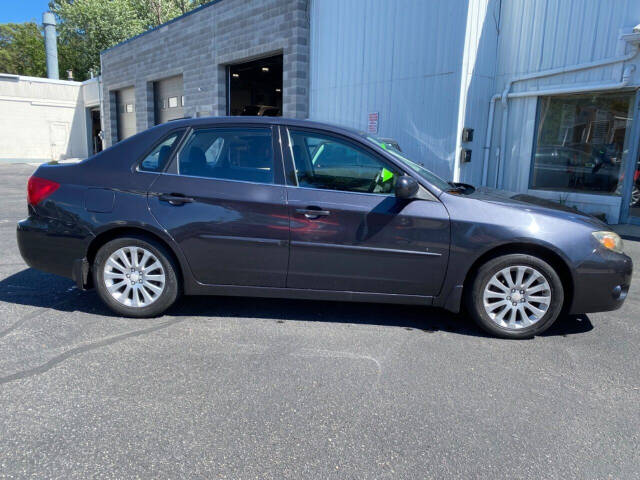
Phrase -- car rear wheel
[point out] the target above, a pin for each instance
(135, 277)
(515, 296)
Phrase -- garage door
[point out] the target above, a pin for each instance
(169, 99)
(125, 101)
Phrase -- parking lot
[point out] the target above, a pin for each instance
(243, 388)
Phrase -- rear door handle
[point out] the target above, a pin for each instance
(175, 199)
(313, 212)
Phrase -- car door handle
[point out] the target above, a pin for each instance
(175, 199)
(313, 212)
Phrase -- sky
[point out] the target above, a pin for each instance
(17, 11)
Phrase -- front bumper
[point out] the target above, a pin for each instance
(601, 283)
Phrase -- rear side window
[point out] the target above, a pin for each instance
(228, 154)
(159, 156)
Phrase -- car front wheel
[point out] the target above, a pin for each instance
(135, 277)
(515, 296)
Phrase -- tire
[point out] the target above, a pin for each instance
(492, 305)
(156, 286)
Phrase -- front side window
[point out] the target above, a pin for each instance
(394, 149)
(159, 156)
(581, 142)
(327, 162)
(228, 154)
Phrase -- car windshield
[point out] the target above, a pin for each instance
(419, 169)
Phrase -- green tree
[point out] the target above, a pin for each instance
(22, 49)
(157, 12)
(86, 27)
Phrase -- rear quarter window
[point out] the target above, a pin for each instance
(157, 159)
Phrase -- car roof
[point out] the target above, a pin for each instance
(259, 120)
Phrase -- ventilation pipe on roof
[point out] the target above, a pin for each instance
(51, 45)
(506, 95)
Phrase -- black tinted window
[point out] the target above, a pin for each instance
(228, 154)
(158, 158)
(326, 162)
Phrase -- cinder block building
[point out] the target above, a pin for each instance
(215, 60)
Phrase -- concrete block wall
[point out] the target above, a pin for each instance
(199, 46)
(41, 119)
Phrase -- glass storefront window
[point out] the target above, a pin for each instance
(580, 143)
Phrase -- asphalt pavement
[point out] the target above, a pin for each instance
(241, 388)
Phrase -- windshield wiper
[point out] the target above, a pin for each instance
(461, 187)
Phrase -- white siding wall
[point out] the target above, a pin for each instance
(431, 68)
(478, 82)
(41, 119)
(91, 92)
(539, 35)
(400, 58)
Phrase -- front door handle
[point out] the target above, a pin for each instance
(313, 212)
(175, 199)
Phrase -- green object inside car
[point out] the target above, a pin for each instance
(386, 175)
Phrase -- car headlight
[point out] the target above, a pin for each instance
(609, 240)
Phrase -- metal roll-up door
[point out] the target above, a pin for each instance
(125, 101)
(169, 99)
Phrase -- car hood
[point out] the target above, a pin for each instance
(535, 204)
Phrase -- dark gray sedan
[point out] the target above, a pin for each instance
(285, 208)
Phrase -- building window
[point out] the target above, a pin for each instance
(173, 102)
(580, 143)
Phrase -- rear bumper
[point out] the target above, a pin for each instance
(601, 284)
(47, 245)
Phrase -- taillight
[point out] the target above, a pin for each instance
(39, 188)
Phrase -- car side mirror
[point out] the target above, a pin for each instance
(406, 187)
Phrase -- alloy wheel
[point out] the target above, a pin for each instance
(517, 297)
(134, 277)
(635, 196)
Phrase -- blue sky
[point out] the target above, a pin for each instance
(17, 11)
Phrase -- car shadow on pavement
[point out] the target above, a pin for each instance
(30, 287)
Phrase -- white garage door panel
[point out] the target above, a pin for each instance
(168, 94)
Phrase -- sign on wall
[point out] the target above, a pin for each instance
(372, 124)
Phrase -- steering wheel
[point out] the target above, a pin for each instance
(375, 181)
